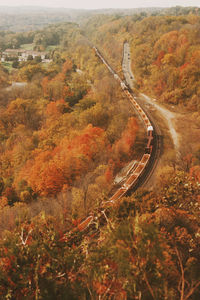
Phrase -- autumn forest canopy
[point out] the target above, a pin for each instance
(67, 132)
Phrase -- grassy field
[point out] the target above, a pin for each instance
(50, 48)
(27, 46)
(31, 46)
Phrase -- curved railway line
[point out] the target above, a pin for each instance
(129, 79)
(143, 168)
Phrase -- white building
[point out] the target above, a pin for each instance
(23, 55)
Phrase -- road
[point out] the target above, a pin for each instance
(170, 118)
(126, 66)
(167, 115)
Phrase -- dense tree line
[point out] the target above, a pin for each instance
(72, 123)
(165, 53)
(65, 135)
(50, 35)
(145, 247)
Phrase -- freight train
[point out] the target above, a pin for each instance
(140, 166)
(134, 176)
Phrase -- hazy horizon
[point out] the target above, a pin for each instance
(104, 4)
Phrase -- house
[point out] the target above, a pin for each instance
(11, 53)
(34, 54)
(23, 55)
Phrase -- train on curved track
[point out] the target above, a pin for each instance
(142, 164)
(139, 167)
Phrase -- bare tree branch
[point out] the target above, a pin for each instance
(24, 241)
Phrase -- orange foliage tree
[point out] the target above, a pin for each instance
(123, 147)
(50, 170)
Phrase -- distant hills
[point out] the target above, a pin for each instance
(25, 18)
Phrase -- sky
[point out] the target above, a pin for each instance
(96, 4)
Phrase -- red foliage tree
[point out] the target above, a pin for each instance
(50, 170)
(124, 145)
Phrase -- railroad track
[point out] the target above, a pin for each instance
(140, 175)
(143, 168)
(156, 152)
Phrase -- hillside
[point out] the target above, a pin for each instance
(67, 129)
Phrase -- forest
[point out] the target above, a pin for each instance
(66, 132)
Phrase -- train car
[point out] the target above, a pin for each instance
(118, 194)
(123, 86)
(150, 130)
(83, 225)
(150, 135)
(116, 77)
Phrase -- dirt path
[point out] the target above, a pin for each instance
(167, 115)
(170, 118)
